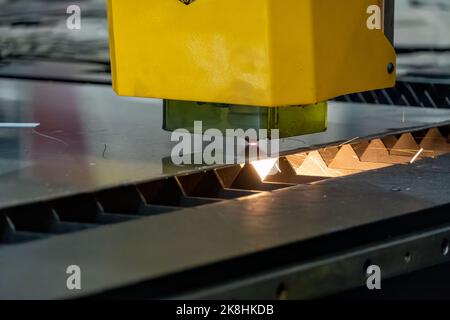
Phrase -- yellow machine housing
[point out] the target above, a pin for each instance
(247, 52)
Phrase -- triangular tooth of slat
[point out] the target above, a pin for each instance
(314, 165)
(349, 160)
(378, 153)
(434, 143)
(286, 167)
(328, 154)
(405, 146)
(389, 142)
(228, 175)
(360, 147)
(296, 160)
(375, 152)
(247, 176)
(285, 174)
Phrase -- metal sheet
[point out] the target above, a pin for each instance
(88, 138)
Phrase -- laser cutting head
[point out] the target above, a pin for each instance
(252, 52)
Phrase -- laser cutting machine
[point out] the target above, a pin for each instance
(87, 178)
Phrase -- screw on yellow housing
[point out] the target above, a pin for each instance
(247, 52)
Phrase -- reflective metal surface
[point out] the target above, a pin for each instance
(86, 138)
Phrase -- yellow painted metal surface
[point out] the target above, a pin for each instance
(251, 52)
